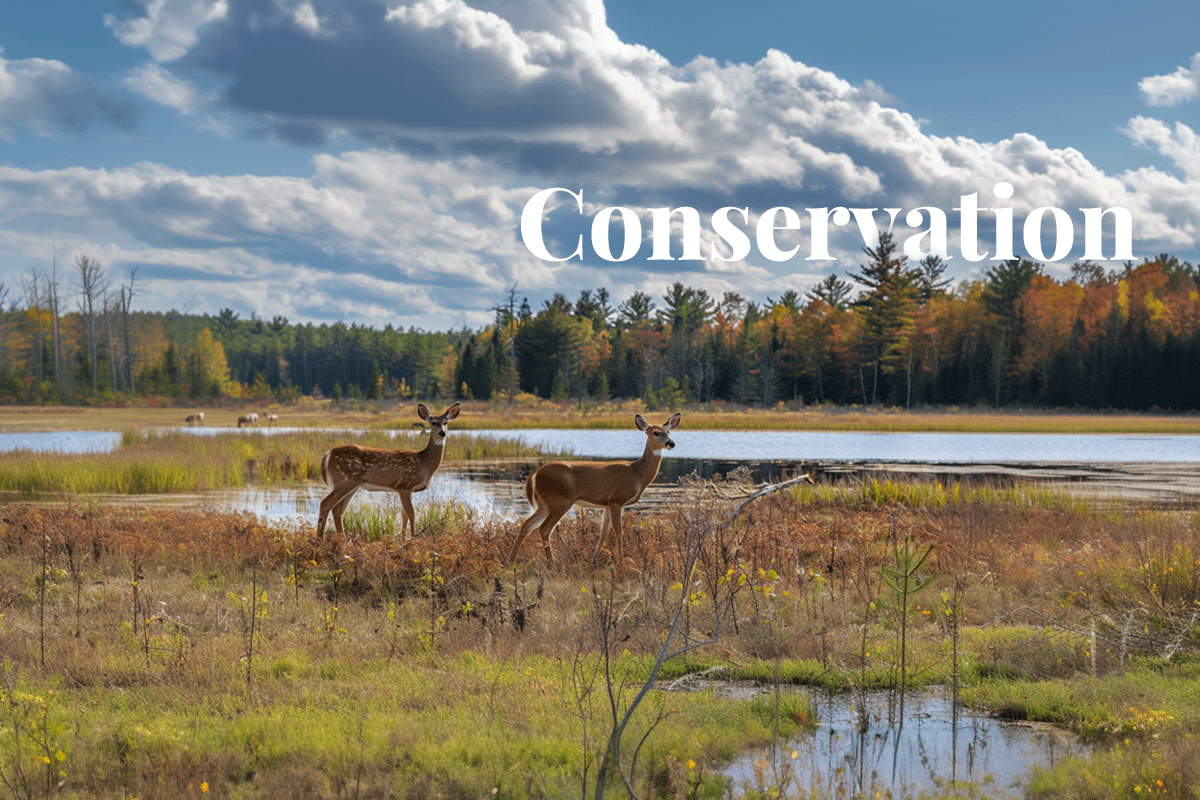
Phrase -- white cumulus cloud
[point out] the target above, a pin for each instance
(1180, 86)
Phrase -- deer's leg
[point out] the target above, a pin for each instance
(330, 502)
(604, 528)
(340, 508)
(409, 518)
(612, 522)
(540, 512)
(554, 514)
(617, 530)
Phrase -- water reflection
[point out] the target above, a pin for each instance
(503, 498)
(930, 749)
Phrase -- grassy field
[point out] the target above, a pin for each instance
(532, 413)
(178, 654)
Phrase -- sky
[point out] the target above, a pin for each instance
(370, 160)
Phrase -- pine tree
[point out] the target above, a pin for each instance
(887, 307)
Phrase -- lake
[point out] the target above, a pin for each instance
(1156, 469)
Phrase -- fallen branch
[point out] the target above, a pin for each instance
(768, 488)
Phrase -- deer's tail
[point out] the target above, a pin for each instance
(325, 469)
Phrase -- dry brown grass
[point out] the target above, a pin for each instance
(824, 560)
(157, 604)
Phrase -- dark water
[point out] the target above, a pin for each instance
(930, 749)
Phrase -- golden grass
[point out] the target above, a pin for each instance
(427, 669)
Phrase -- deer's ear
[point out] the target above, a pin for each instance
(423, 411)
(452, 411)
(673, 422)
(640, 421)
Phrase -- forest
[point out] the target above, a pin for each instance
(890, 333)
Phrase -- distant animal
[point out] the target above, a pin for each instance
(350, 467)
(247, 420)
(271, 420)
(555, 487)
(196, 419)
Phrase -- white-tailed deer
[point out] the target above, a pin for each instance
(350, 467)
(555, 487)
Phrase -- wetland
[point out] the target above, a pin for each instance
(187, 642)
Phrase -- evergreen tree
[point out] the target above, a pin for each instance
(887, 307)
(834, 292)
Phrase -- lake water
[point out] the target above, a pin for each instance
(930, 749)
(849, 446)
(926, 448)
(1157, 469)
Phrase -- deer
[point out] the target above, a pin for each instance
(350, 467)
(555, 487)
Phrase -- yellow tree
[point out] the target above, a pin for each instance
(211, 369)
(1048, 311)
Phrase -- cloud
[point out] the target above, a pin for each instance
(45, 95)
(168, 28)
(461, 112)
(544, 89)
(155, 83)
(426, 229)
(1170, 90)
(1171, 196)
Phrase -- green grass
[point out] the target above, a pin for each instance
(932, 495)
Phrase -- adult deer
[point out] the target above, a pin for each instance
(350, 467)
(555, 487)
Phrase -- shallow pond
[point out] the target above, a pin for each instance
(933, 747)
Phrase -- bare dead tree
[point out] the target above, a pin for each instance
(33, 300)
(91, 284)
(126, 297)
(52, 301)
(110, 304)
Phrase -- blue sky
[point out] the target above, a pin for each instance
(368, 160)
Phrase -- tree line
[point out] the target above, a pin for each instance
(888, 333)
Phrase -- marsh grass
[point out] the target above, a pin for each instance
(167, 461)
(426, 668)
(934, 494)
(375, 521)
